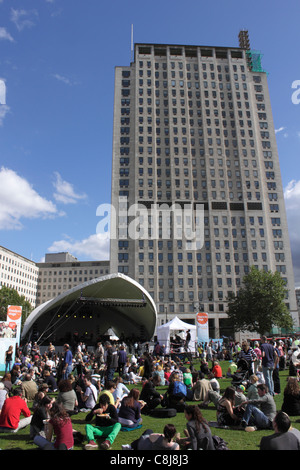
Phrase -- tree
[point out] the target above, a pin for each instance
(259, 305)
(10, 296)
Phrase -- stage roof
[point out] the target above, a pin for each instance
(114, 301)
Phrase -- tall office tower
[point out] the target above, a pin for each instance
(193, 127)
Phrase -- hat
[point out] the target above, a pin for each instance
(241, 387)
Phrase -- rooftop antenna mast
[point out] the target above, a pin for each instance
(244, 39)
(132, 43)
(253, 57)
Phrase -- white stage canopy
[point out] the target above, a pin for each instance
(174, 326)
(114, 301)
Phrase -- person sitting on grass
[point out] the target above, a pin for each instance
(133, 378)
(217, 370)
(41, 413)
(291, 397)
(259, 413)
(107, 424)
(201, 387)
(120, 391)
(3, 395)
(176, 394)
(252, 392)
(155, 441)
(282, 439)
(240, 396)
(60, 425)
(89, 395)
(11, 411)
(110, 388)
(130, 409)
(150, 395)
(227, 414)
(67, 396)
(188, 378)
(198, 433)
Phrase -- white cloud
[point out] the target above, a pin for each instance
(23, 18)
(18, 200)
(65, 80)
(95, 247)
(279, 130)
(64, 191)
(5, 35)
(292, 203)
(4, 110)
(292, 195)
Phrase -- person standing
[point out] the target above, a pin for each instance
(122, 359)
(187, 339)
(67, 362)
(8, 359)
(112, 361)
(99, 353)
(50, 350)
(249, 355)
(276, 379)
(268, 361)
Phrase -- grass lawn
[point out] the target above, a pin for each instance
(236, 439)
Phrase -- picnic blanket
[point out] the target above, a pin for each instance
(127, 428)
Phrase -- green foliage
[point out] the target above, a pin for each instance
(11, 297)
(259, 304)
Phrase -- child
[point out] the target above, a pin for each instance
(188, 378)
(239, 395)
(252, 393)
(260, 375)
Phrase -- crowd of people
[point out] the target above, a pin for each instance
(116, 386)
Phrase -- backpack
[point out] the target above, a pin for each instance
(179, 389)
(219, 443)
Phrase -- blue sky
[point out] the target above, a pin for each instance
(57, 60)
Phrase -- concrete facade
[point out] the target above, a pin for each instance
(194, 125)
(62, 272)
(19, 273)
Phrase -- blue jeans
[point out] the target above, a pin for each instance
(8, 366)
(110, 374)
(268, 375)
(255, 417)
(42, 443)
(67, 372)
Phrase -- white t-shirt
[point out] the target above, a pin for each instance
(91, 393)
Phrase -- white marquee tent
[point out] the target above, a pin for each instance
(164, 332)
